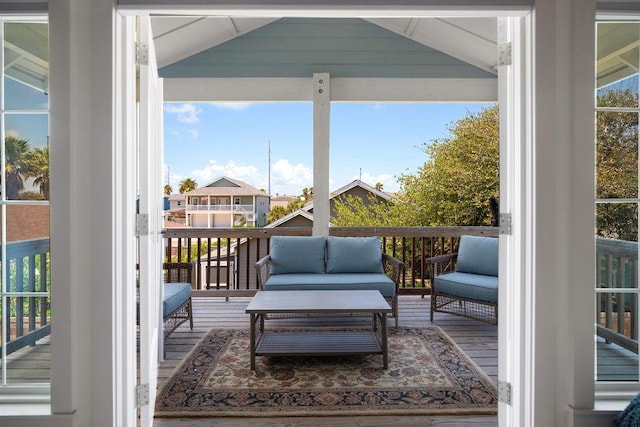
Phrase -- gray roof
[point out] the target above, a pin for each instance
(225, 186)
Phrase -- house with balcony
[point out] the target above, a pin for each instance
(226, 202)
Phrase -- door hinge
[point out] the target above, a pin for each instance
(505, 223)
(504, 392)
(504, 54)
(142, 54)
(142, 395)
(142, 225)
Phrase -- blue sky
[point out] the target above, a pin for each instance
(376, 142)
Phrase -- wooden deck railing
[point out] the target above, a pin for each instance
(26, 314)
(225, 257)
(617, 311)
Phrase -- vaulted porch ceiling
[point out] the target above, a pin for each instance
(470, 40)
(377, 59)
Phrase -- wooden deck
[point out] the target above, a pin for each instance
(477, 339)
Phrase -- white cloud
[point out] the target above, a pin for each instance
(186, 113)
(289, 178)
(286, 178)
(213, 170)
(231, 105)
(13, 133)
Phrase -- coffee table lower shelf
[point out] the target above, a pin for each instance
(315, 343)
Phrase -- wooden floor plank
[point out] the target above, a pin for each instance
(479, 340)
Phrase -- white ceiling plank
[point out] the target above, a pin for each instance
(179, 40)
(345, 90)
(358, 9)
(475, 44)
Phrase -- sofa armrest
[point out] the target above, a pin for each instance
(394, 268)
(263, 268)
(441, 264)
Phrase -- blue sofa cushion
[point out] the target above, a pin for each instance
(175, 294)
(476, 286)
(354, 255)
(297, 254)
(478, 255)
(334, 281)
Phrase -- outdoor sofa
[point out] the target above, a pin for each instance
(330, 263)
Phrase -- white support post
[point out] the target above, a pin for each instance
(321, 128)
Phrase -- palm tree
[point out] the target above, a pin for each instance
(168, 189)
(37, 166)
(15, 150)
(187, 185)
(307, 194)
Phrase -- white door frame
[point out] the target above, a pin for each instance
(513, 249)
(124, 210)
(149, 218)
(514, 92)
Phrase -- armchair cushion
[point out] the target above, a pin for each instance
(175, 295)
(467, 285)
(296, 254)
(354, 255)
(478, 255)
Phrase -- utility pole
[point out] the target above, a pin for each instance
(269, 169)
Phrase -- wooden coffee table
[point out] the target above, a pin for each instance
(310, 342)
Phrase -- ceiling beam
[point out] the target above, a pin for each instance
(342, 89)
(328, 8)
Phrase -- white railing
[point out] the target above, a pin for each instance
(244, 209)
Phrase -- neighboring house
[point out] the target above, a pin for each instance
(226, 202)
(282, 201)
(177, 202)
(25, 222)
(355, 188)
(175, 207)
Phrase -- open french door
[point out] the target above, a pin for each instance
(149, 222)
(513, 97)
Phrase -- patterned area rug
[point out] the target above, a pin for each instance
(428, 375)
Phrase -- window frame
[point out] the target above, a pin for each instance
(617, 393)
(17, 392)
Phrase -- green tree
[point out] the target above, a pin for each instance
(187, 185)
(16, 150)
(37, 167)
(454, 185)
(352, 211)
(294, 205)
(617, 166)
(278, 211)
(168, 189)
(275, 213)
